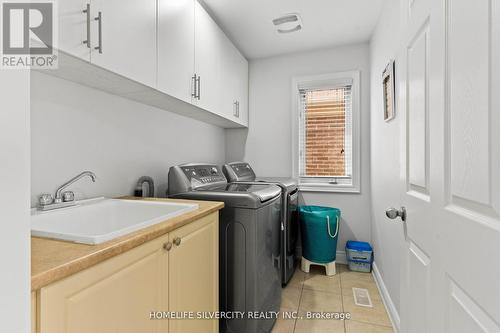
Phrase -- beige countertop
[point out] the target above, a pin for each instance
(53, 260)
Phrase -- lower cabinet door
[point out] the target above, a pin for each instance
(33, 312)
(117, 295)
(194, 275)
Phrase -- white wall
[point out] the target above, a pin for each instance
(76, 128)
(15, 281)
(266, 144)
(387, 235)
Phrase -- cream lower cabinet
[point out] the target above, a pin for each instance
(194, 276)
(33, 312)
(118, 295)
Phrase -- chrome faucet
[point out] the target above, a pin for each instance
(58, 198)
(63, 199)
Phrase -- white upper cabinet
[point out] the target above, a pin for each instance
(176, 48)
(124, 38)
(172, 52)
(234, 81)
(241, 74)
(73, 30)
(208, 51)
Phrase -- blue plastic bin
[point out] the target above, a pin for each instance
(319, 228)
(359, 256)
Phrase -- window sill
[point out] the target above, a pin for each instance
(329, 188)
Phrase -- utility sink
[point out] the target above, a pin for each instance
(98, 220)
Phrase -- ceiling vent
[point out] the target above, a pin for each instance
(288, 23)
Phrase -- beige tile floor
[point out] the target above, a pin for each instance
(317, 292)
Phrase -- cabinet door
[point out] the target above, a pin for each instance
(116, 295)
(241, 70)
(33, 312)
(128, 38)
(194, 274)
(176, 48)
(208, 40)
(234, 84)
(229, 81)
(73, 28)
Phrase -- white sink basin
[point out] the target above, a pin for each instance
(98, 220)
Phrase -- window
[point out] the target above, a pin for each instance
(326, 132)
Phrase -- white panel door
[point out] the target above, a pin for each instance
(73, 24)
(127, 38)
(176, 48)
(469, 162)
(419, 254)
(208, 45)
(449, 78)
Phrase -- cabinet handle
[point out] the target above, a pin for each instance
(177, 241)
(167, 246)
(193, 89)
(235, 112)
(99, 24)
(87, 11)
(198, 80)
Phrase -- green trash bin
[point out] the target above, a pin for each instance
(319, 228)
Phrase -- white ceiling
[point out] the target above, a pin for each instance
(326, 23)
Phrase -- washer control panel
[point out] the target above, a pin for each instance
(188, 177)
(205, 174)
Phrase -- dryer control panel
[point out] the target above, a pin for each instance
(238, 171)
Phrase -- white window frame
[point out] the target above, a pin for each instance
(325, 81)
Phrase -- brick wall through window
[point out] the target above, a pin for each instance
(325, 131)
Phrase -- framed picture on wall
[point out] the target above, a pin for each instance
(388, 84)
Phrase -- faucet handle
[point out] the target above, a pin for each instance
(68, 196)
(45, 199)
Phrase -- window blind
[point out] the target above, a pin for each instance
(325, 133)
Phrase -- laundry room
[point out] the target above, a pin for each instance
(249, 166)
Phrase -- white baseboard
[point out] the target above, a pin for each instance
(386, 298)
